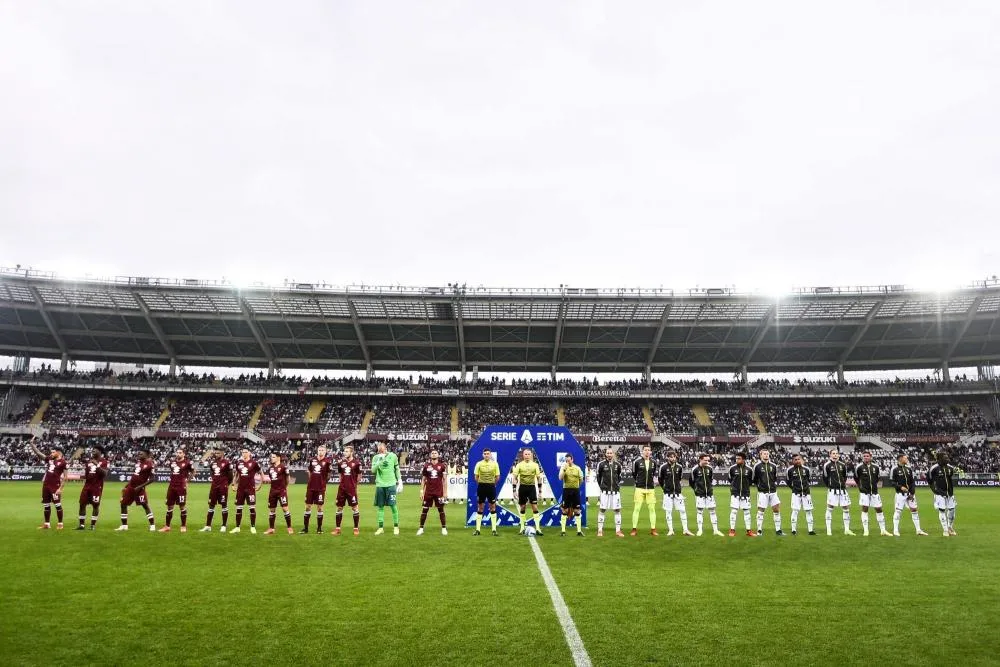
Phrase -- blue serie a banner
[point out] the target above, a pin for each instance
(550, 444)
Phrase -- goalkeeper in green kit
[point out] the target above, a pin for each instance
(388, 483)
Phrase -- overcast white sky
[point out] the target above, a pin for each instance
(762, 144)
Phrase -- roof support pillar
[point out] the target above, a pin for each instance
(840, 374)
(953, 345)
(369, 372)
(361, 337)
(758, 337)
(173, 367)
(258, 335)
(48, 321)
(157, 331)
(558, 337)
(64, 363)
(945, 373)
(743, 373)
(859, 334)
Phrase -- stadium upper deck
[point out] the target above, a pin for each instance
(454, 328)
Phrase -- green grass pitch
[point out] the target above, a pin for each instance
(69, 598)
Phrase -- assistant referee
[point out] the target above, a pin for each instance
(486, 473)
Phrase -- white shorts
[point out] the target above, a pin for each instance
(739, 502)
(765, 500)
(802, 502)
(838, 498)
(704, 503)
(673, 502)
(870, 500)
(906, 501)
(610, 500)
(944, 502)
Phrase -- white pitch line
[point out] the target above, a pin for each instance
(580, 657)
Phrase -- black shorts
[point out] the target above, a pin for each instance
(527, 493)
(571, 499)
(486, 493)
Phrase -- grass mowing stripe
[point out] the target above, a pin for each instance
(573, 640)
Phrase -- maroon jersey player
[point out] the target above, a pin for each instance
(278, 494)
(433, 490)
(347, 491)
(95, 470)
(135, 491)
(181, 470)
(52, 484)
(246, 485)
(319, 474)
(218, 493)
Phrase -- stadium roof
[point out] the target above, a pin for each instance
(154, 321)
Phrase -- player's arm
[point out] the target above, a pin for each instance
(37, 452)
(475, 471)
(562, 473)
(147, 483)
(691, 479)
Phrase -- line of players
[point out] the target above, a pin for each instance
(244, 478)
(763, 476)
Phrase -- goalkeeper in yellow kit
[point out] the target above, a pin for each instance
(528, 477)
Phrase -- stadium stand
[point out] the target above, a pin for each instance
(478, 414)
(223, 413)
(423, 416)
(604, 417)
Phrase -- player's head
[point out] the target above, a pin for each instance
(903, 459)
(703, 460)
(96, 451)
(180, 455)
(55, 454)
(527, 455)
(321, 451)
(434, 456)
(349, 452)
(487, 454)
(834, 455)
(646, 451)
(245, 454)
(609, 454)
(797, 460)
(144, 455)
(867, 457)
(381, 448)
(569, 459)
(275, 459)
(672, 456)
(740, 459)
(217, 453)
(764, 455)
(942, 457)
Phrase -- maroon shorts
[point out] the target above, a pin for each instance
(176, 496)
(218, 495)
(315, 496)
(50, 496)
(433, 500)
(136, 496)
(91, 495)
(275, 498)
(246, 497)
(345, 498)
